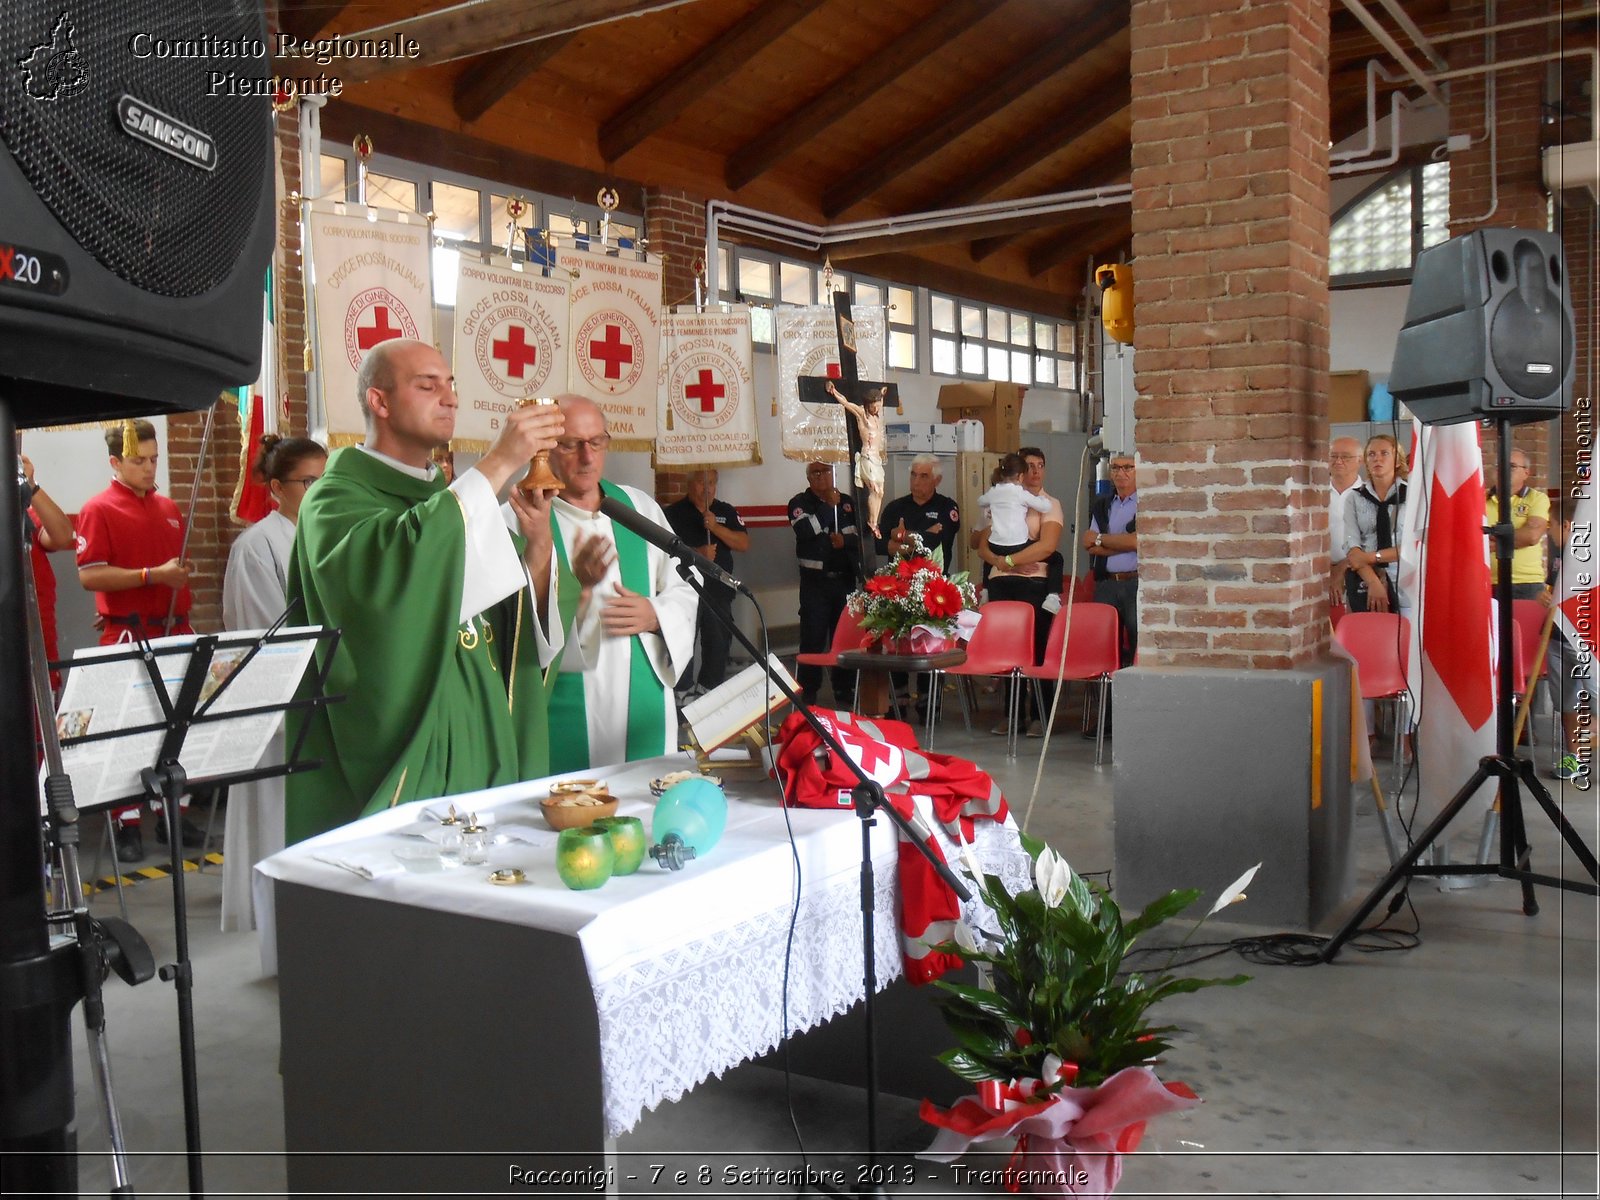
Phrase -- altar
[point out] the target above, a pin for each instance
(428, 1012)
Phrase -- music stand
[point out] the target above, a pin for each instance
(213, 664)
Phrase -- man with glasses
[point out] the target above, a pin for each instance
(444, 611)
(627, 616)
(1112, 542)
(1530, 518)
(1344, 473)
(828, 548)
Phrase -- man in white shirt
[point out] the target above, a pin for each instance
(628, 617)
(1344, 473)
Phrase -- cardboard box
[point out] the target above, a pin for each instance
(915, 436)
(997, 405)
(1347, 396)
(944, 439)
(972, 480)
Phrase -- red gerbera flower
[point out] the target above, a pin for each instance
(909, 567)
(887, 585)
(941, 597)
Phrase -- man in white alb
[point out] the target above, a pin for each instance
(628, 617)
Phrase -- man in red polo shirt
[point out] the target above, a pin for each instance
(130, 543)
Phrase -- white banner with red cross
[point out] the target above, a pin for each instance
(615, 340)
(510, 345)
(809, 345)
(373, 281)
(706, 409)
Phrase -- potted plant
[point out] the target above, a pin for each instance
(910, 606)
(1056, 1034)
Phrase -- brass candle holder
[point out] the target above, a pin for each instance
(539, 477)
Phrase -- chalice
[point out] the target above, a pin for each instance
(539, 477)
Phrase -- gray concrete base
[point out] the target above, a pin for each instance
(1219, 769)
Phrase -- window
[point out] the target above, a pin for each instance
(386, 191)
(987, 341)
(1379, 236)
(500, 233)
(332, 177)
(795, 280)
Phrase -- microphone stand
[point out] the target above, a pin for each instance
(867, 798)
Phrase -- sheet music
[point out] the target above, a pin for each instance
(109, 695)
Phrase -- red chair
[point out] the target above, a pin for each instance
(1082, 591)
(1091, 650)
(846, 636)
(1381, 645)
(1001, 645)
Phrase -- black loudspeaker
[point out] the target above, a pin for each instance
(1488, 330)
(136, 204)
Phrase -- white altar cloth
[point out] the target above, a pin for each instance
(687, 967)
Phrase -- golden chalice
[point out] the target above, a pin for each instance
(539, 477)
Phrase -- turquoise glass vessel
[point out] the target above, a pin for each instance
(688, 821)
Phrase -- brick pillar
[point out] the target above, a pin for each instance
(1230, 244)
(1502, 189)
(214, 529)
(675, 222)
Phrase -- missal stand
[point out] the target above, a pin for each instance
(867, 797)
(173, 699)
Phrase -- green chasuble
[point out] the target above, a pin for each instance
(434, 706)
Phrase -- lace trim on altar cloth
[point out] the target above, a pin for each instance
(699, 1009)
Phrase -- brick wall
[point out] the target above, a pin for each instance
(213, 530)
(676, 225)
(1230, 245)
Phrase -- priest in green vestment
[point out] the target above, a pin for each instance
(627, 616)
(444, 611)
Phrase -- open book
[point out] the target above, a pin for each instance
(734, 705)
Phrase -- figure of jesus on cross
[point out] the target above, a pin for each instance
(868, 417)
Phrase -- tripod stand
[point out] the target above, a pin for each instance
(1513, 773)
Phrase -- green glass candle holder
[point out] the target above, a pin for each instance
(628, 842)
(584, 857)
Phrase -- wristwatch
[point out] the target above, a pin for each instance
(1099, 539)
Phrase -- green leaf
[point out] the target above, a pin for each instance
(973, 1067)
(1161, 909)
(984, 1001)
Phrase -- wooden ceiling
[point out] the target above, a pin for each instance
(817, 110)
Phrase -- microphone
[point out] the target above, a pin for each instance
(665, 540)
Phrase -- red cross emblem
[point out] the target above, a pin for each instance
(514, 351)
(368, 336)
(612, 351)
(871, 755)
(707, 390)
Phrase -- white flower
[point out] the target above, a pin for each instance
(1234, 892)
(1051, 876)
(964, 937)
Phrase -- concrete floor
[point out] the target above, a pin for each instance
(1467, 1066)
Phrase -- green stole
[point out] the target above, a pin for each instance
(569, 714)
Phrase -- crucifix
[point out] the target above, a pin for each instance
(864, 401)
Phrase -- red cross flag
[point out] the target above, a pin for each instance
(510, 344)
(706, 414)
(1444, 577)
(1576, 603)
(374, 282)
(614, 351)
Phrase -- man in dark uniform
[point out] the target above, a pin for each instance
(713, 528)
(926, 512)
(828, 550)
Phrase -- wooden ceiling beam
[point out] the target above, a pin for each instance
(482, 85)
(1054, 134)
(476, 27)
(303, 19)
(858, 84)
(1083, 241)
(708, 69)
(1009, 226)
(1111, 167)
(451, 151)
(999, 89)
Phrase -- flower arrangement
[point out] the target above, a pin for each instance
(910, 604)
(1055, 1035)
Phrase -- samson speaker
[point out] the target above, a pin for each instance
(1488, 330)
(136, 204)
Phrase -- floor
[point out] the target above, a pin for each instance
(1465, 1066)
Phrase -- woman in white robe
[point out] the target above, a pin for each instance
(252, 598)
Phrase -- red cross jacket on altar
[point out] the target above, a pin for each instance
(887, 750)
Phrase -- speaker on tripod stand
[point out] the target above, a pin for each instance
(1488, 334)
(136, 221)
